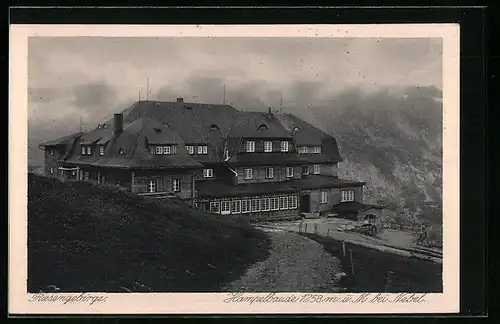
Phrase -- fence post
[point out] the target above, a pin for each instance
(389, 280)
(352, 261)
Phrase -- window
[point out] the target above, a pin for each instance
(51, 170)
(215, 207)
(83, 150)
(159, 150)
(305, 170)
(283, 202)
(324, 197)
(236, 206)
(347, 195)
(101, 150)
(289, 172)
(166, 150)
(269, 173)
(284, 146)
(248, 174)
(121, 152)
(316, 169)
(263, 127)
(245, 206)
(250, 146)
(292, 202)
(225, 207)
(316, 149)
(89, 150)
(268, 146)
(176, 185)
(190, 149)
(73, 172)
(208, 173)
(86, 176)
(151, 150)
(152, 186)
(202, 149)
(174, 149)
(303, 149)
(81, 175)
(52, 152)
(255, 205)
(275, 203)
(266, 204)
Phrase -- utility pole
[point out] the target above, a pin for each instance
(147, 90)
(281, 102)
(81, 124)
(224, 99)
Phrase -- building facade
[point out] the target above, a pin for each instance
(262, 164)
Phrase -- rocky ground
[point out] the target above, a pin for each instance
(295, 264)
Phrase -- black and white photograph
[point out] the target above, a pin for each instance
(307, 167)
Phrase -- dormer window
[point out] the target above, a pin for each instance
(121, 152)
(89, 150)
(84, 151)
(101, 150)
(263, 127)
(202, 149)
(214, 127)
(295, 130)
(250, 146)
(284, 146)
(268, 146)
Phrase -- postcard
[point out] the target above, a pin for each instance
(246, 169)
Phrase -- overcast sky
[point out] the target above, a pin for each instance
(73, 76)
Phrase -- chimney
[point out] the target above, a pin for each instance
(180, 103)
(270, 112)
(118, 124)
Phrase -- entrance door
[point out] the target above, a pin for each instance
(305, 203)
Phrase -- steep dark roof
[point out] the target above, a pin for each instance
(316, 181)
(211, 188)
(193, 122)
(259, 125)
(305, 134)
(207, 188)
(132, 142)
(275, 158)
(354, 207)
(65, 140)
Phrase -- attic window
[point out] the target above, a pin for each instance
(121, 152)
(104, 126)
(157, 130)
(263, 126)
(214, 127)
(99, 126)
(295, 130)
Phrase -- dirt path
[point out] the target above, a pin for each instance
(295, 264)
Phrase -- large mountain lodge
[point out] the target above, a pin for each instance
(263, 164)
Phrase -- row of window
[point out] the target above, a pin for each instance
(253, 205)
(268, 146)
(200, 149)
(87, 150)
(309, 149)
(176, 186)
(164, 149)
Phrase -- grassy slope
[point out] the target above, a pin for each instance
(87, 238)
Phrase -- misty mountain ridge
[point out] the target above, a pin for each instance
(390, 138)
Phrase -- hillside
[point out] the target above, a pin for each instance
(393, 141)
(82, 237)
